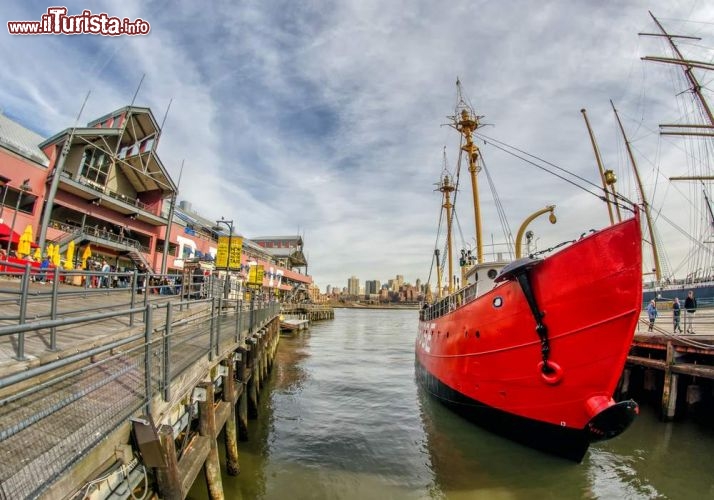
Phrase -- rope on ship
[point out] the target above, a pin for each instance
(622, 201)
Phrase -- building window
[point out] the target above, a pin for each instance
(12, 197)
(95, 166)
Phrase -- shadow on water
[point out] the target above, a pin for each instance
(342, 417)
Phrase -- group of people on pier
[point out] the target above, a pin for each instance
(690, 307)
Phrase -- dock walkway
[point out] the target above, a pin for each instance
(677, 364)
(77, 364)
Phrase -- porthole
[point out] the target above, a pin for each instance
(492, 273)
(497, 301)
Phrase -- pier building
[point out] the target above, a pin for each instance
(103, 189)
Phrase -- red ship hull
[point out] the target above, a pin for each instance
(485, 358)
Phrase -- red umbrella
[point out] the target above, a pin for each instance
(5, 233)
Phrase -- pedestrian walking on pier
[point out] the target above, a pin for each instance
(676, 311)
(106, 268)
(690, 305)
(651, 314)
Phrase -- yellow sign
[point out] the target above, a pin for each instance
(255, 275)
(222, 252)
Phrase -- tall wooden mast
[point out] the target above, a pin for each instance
(643, 197)
(695, 86)
(701, 130)
(446, 187)
(606, 176)
(466, 121)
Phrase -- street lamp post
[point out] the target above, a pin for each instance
(227, 283)
(24, 187)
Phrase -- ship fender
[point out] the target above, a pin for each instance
(607, 418)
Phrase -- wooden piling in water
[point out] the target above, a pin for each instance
(168, 478)
(207, 428)
(669, 390)
(243, 414)
(625, 383)
(231, 434)
(252, 383)
(243, 374)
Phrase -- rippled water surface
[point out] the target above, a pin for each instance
(343, 418)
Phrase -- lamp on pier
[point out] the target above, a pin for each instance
(217, 227)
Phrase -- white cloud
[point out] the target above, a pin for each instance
(325, 118)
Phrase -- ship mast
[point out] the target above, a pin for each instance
(466, 121)
(606, 176)
(446, 187)
(695, 86)
(438, 274)
(645, 203)
(701, 130)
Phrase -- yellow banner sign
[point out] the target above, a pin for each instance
(255, 275)
(235, 252)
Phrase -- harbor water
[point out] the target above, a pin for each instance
(342, 417)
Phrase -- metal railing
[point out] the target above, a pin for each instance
(51, 415)
(77, 231)
(450, 303)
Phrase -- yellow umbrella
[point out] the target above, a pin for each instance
(38, 254)
(21, 245)
(86, 255)
(24, 242)
(70, 255)
(48, 251)
(55, 255)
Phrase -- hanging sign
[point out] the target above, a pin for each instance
(235, 253)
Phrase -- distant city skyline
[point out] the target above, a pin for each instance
(362, 284)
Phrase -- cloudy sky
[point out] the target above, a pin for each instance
(327, 117)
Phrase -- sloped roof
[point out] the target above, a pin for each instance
(21, 140)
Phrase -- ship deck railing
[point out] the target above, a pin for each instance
(450, 303)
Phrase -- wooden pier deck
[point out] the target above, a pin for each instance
(70, 403)
(72, 302)
(680, 365)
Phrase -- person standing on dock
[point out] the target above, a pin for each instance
(690, 304)
(651, 314)
(105, 274)
(676, 311)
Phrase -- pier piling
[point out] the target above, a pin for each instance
(231, 434)
(207, 428)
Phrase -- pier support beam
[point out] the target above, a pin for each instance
(694, 396)
(168, 477)
(669, 390)
(252, 382)
(243, 414)
(625, 383)
(650, 384)
(669, 396)
(231, 434)
(207, 428)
